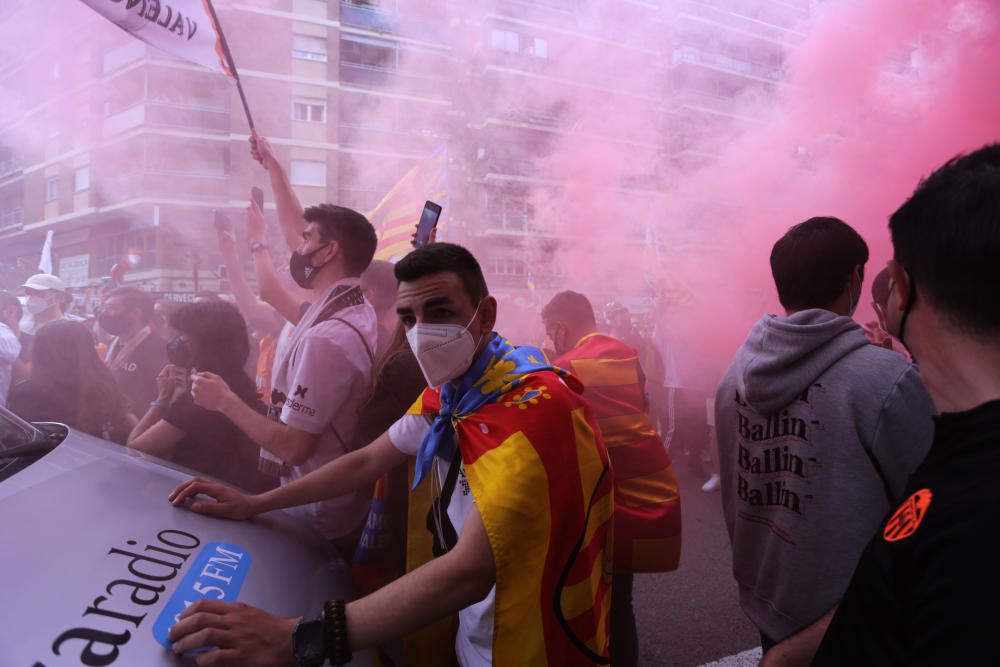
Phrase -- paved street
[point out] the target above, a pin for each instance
(691, 617)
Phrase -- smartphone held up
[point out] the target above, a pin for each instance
(428, 222)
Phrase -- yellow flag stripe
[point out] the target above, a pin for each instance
(647, 490)
(626, 429)
(504, 508)
(606, 372)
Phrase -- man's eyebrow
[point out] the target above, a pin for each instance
(402, 310)
(439, 301)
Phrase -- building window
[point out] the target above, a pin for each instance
(540, 48)
(313, 111)
(308, 172)
(506, 267)
(52, 189)
(306, 47)
(81, 179)
(506, 40)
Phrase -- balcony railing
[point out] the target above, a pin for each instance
(692, 98)
(164, 114)
(160, 183)
(694, 55)
(763, 29)
(380, 20)
(388, 138)
(377, 77)
(12, 220)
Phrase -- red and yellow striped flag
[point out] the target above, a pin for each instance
(540, 477)
(395, 217)
(647, 534)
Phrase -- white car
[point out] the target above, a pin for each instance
(95, 564)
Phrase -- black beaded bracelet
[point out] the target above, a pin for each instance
(335, 620)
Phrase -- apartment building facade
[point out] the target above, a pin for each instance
(126, 153)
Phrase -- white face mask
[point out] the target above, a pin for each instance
(443, 351)
(36, 305)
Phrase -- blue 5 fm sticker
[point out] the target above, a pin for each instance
(216, 574)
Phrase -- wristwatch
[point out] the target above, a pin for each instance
(257, 245)
(309, 643)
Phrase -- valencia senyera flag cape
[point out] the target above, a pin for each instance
(647, 496)
(541, 480)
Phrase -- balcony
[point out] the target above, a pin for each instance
(163, 114)
(12, 220)
(164, 184)
(699, 100)
(382, 21)
(744, 24)
(690, 54)
(389, 139)
(366, 17)
(369, 76)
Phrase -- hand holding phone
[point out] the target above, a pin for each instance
(255, 216)
(427, 224)
(221, 221)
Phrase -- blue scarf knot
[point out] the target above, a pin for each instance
(498, 369)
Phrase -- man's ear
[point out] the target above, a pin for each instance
(488, 313)
(331, 251)
(899, 295)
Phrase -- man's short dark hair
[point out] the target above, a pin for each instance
(438, 257)
(813, 260)
(947, 237)
(352, 232)
(570, 307)
(134, 298)
(8, 300)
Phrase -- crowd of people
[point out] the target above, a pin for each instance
(855, 463)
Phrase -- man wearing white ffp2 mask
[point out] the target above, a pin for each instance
(443, 351)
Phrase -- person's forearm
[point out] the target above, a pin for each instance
(269, 434)
(271, 289)
(153, 415)
(433, 591)
(287, 203)
(246, 300)
(800, 648)
(346, 474)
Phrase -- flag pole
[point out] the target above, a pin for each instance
(230, 61)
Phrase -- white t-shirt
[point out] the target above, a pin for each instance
(324, 386)
(10, 348)
(474, 642)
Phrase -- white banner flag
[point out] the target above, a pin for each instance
(182, 28)
(45, 263)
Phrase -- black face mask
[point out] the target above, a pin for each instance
(301, 268)
(114, 324)
(179, 353)
(906, 312)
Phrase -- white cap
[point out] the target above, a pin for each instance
(44, 281)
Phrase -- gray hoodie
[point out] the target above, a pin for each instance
(818, 432)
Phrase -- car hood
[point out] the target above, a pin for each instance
(96, 563)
